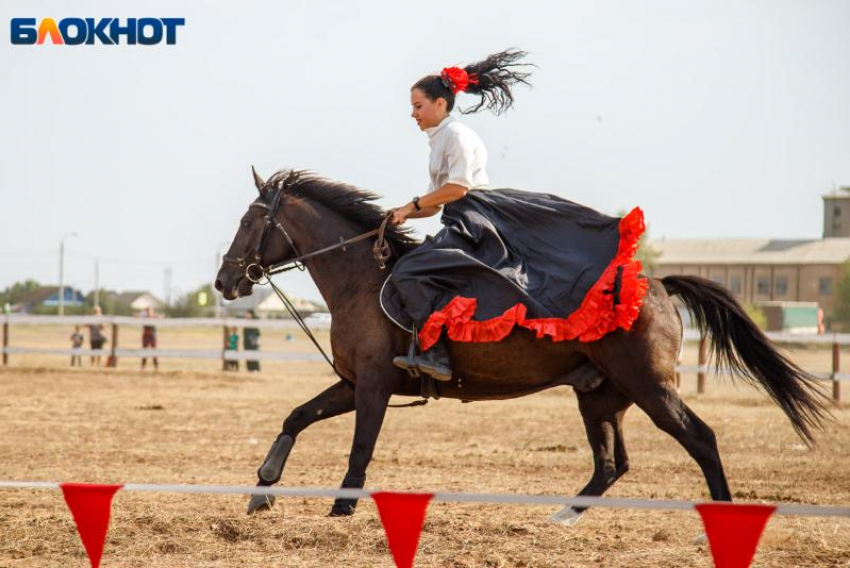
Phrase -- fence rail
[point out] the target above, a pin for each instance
(702, 369)
(15, 319)
(114, 352)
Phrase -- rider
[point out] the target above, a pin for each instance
(458, 158)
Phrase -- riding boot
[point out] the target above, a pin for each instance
(434, 362)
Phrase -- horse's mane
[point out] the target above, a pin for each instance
(350, 202)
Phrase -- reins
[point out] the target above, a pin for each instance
(380, 250)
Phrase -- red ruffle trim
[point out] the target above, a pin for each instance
(595, 317)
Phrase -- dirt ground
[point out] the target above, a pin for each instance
(191, 423)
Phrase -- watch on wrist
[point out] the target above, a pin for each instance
(416, 203)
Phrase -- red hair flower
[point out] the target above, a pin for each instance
(457, 79)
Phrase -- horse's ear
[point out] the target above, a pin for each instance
(258, 181)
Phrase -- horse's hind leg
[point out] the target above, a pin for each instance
(602, 411)
(336, 400)
(662, 404)
(668, 412)
(642, 365)
(673, 416)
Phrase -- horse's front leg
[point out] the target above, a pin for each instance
(336, 400)
(372, 397)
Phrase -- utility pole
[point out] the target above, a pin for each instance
(96, 283)
(167, 286)
(62, 273)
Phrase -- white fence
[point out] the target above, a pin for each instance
(114, 352)
(14, 319)
(702, 369)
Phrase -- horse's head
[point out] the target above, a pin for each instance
(259, 242)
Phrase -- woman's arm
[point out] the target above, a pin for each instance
(431, 203)
(426, 212)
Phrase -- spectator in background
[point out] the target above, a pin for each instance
(251, 341)
(77, 340)
(232, 345)
(149, 337)
(96, 337)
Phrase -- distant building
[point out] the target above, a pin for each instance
(47, 297)
(241, 305)
(272, 307)
(265, 303)
(836, 214)
(769, 270)
(137, 301)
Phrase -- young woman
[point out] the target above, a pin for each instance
(505, 257)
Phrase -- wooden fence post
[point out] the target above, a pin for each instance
(5, 342)
(701, 361)
(113, 359)
(836, 366)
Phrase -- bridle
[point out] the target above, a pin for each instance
(254, 270)
(253, 266)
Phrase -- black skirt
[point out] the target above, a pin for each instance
(508, 257)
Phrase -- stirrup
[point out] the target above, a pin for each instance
(438, 373)
(408, 363)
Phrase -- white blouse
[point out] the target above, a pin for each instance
(457, 156)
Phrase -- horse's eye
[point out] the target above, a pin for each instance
(246, 223)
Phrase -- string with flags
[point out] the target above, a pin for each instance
(733, 530)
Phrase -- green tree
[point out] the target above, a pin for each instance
(54, 310)
(756, 314)
(18, 291)
(841, 312)
(108, 305)
(197, 304)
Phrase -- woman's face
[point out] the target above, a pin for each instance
(426, 112)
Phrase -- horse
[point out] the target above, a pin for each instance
(303, 211)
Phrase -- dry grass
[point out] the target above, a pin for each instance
(205, 426)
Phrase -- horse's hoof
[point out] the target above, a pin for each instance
(260, 503)
(342, 510)
(700, 540)
(566, 516)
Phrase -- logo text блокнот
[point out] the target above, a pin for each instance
(89, 31)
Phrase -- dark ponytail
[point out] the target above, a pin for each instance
(495, 76)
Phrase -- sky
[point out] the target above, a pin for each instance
(717, 118)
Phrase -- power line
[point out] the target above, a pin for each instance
(107, 259)
(29, 253)
(138, 261)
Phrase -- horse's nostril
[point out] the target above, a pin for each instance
(218, 285)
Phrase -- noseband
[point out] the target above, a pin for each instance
(254, 269)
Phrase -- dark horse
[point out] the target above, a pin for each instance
(636, 366)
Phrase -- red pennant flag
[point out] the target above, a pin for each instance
(402, 515)
(90, 505)
(734, 531)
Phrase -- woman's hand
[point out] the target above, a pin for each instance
(401, 214)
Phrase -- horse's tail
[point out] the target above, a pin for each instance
(740, 347)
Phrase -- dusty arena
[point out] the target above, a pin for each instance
(192, 423)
